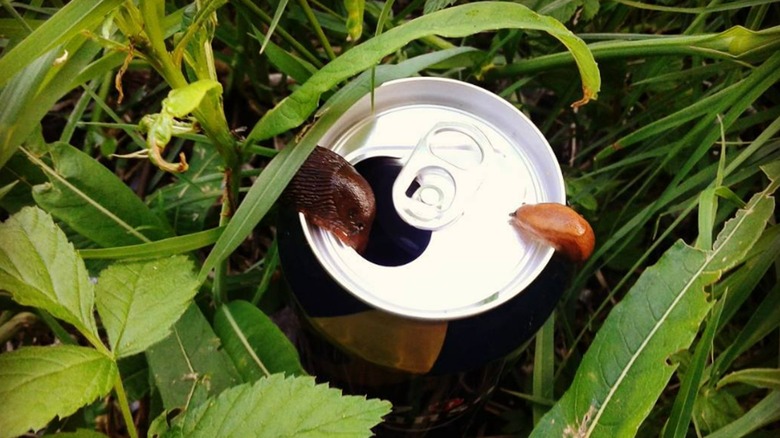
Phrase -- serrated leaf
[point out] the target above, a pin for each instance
(255, 344)
(282, 407)
(436, 5)
(40, 268)
(453, 22)
(39, 383)
(189, 366)
(138, 302)
(589, 9)
(625, 369)
(95, 202)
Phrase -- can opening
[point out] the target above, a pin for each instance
(392, 241)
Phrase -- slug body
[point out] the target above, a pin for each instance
(559, 226)
(332, 195)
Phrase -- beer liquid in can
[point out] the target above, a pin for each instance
(447, 289)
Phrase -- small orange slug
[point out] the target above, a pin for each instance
(558, 226)
(332, 195)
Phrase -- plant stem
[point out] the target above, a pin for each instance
(8, 328)
(317, 28)
(124, 406)
(712, 46)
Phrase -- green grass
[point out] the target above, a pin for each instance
(678, 142)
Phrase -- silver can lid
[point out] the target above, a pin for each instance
(469, 159)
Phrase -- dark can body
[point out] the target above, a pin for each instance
(362, 329)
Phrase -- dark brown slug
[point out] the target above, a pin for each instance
(559, 226)
(332, 195)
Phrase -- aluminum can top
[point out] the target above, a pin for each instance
(469, 158)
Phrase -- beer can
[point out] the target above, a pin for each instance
(447, 290)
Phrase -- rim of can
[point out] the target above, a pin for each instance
(462, 282)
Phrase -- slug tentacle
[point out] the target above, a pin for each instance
(332, 195)
(558, 226)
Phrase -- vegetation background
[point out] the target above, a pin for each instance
(671, 328)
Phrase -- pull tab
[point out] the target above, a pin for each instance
(441, 175)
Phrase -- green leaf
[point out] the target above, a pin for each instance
(714, 409)
(159, 248)
(33, 92)
(16, 97)
(766, 412)
(739, 285)
(135, 376)
(625, 369)
(544, 366)
(763, 321)
(40, 268)
(436, 5)
(184, 100)
(256, 345)
(69, 21)
(355, 10)
(758, 377)
(453, 22)
(189, 366)
(95, 202)
(269, 185)
(39, 383)
(282, 407)
(139, 302)
(680, 416)
(772, 170)
(186, 202)
(561, 10)
(6, 189)
(741, 232)
(708, 208)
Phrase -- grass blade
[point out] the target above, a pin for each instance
(659, 316)
(767, 411)
(269, 185)
(159, 248)
(482, 16)
(66, 23)
(680, 417)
